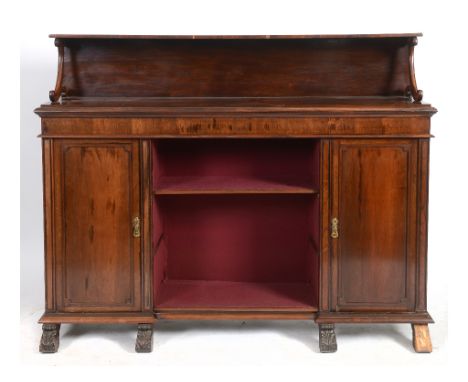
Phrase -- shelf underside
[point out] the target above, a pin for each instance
(176, 185)
(225, 295)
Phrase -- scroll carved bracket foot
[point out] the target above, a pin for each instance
(144, 340)
(413, 90)
(327, 338)
(54, 95)
(50, 338)
(421, 338)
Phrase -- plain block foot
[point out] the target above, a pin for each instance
(421, 338)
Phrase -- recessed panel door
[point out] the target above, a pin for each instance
(373, 224)
(97, 212)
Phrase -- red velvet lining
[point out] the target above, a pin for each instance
(264, 238)
(235, 250)
(225, 294)
(270, 159)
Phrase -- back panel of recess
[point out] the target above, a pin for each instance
(239, 237)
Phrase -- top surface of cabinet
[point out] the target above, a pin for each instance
(246, 106)
(230, 37)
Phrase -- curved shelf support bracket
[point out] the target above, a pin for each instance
(59, 91)
(412, 90)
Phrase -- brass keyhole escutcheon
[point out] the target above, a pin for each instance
(136, 227)
(334, 228)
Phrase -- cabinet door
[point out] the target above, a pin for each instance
(374, 199)
(96, 199)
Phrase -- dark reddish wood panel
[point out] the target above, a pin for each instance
(236, 68)
(99, 265)
(238, 127)
(374, 200)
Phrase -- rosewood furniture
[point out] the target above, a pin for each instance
(235, 177)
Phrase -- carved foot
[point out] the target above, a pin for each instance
(421, 338)
(50, 338)
(327, 338)
(144, 340)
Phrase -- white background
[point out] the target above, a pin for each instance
(225, 350)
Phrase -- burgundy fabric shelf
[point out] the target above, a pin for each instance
(174, 185)
(194, 294)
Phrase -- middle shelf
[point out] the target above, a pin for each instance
(179, 185)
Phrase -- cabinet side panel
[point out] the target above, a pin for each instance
(147, 265)
(324, 223)
(423, 190)
(49, 263)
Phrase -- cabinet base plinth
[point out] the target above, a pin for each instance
(144, 340)
(50, 338)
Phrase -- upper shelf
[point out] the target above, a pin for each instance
(319, 66)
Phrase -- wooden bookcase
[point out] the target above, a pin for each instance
(235, 177)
